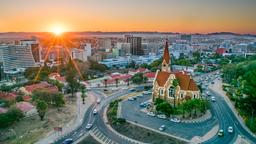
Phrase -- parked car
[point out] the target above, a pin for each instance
(143, 104)
(140, 96)
(162, 128)
(68, 141)
(213, 99)
(176, 120)
(151, 114)
(230, 129)
(162, 116)
(95, 111)
(98, 100)
(221, 133)
(131, 99)
(88, 126)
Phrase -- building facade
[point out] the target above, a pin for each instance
(136, 45)
(164, 86)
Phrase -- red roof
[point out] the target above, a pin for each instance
(185, 82)
(166, 55)
(42, 85)
(150, 75)
(220, 51)
(8, 96)
(57, 77)
(24, 106)
(26, 98)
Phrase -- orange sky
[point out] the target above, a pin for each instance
(188, 16)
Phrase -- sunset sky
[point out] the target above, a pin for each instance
(187, 16)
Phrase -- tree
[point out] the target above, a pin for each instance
(138, 78)
(83, 95)
(10, 117)
(41, 107)
(165, 108)
(58, 99)
(116, 82)
(175, 83)
(19, 98)
(158, 101)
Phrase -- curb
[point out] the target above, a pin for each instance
(115, 132)
(173, 136)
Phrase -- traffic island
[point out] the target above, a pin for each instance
(133, 131)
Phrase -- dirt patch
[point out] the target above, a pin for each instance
(29, 130)
(89, 140)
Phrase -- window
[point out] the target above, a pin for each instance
(161, 91)
(194, 95)
(181, 95)
(171, 92)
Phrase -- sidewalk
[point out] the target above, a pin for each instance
(73, 124)
(217, 87)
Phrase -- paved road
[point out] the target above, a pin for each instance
(97, 120)
(221, 114)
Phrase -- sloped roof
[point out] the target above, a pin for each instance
(24, 106)
(185, 82)
(166, 55)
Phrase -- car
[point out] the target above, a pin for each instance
(143, 104)
(230, 129)
(162, 116)
(131, 99)
(98, 100)
(176, 120)
(94, 111)
(212, 82)
(213, 99)
(68, 141)
(140, 96)
(162, 128)
(132, 90)
(208, 93)
(88, 126)
(151, 114)
(221, 133)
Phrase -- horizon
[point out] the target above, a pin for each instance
(173, 16)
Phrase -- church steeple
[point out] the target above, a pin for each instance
(166, 58)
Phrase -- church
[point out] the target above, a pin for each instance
(174, 87)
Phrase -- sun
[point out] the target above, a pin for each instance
(58, 30)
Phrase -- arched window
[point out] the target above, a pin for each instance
(161, 91)
(171, 91)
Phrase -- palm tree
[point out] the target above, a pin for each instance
(83, 95)
(105, 82)
(116, 82)
(175, 83)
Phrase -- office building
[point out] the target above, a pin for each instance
(136, 45)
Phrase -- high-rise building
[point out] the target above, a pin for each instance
(15, 59)
(35, 48)
(136, 45)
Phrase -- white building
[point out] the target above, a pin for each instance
(83, 53)
(123, 49)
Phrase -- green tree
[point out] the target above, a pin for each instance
(19, 98)
(10, 117)
(41, 107)
(58, 99)
(175, 83)
(165, 108)
(83, 93)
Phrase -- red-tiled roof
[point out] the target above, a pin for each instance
(24, 106)
(26, 98)
(150, 75)
(185, 82)
(42, 85)
(220, 51)
(8, 96)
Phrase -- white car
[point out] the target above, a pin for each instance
(95, 111)
(162, 116)
(88, 126)
(98, 100)
(131, 99)
(213, 99)
(230, 129)
(176, 120)
(162, 128)
(151, 114)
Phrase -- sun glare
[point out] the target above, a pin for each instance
(57, 30)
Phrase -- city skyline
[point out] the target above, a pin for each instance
(185, 16)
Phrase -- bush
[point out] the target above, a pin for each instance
(10, 117)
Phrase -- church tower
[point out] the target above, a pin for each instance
(166, 58)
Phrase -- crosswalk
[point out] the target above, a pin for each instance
(95, 132)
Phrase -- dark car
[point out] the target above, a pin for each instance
(68, 141)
